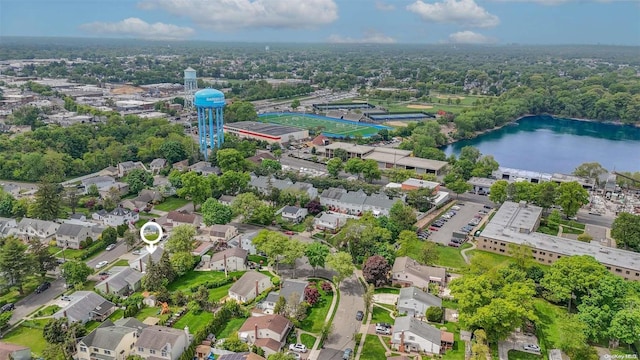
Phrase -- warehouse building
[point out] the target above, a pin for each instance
(272, 133)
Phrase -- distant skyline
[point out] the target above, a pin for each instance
(607, 22)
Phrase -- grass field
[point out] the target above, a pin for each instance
(231, 328)
(171, 203)
(381, 315)
(307, 340)
(195, 322)
(330, 127)
(373, 348)
(27, 336)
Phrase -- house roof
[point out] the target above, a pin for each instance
(247, 282)
(148, 196)
(7, 349)
(157, 337)
(446, 337)
(276, 323)
(107, 336)
(82, 304)
(122, 279)
(120, 211)
(258, 158)
(230, 252)
(291, 286)
(72, 230)
(268, 343)
(407, 264)
(155, 257)
(290, 209)
(413, 293)
(241, 356)
(103, 308)
(158, 162)
(419, 328)
(220, 230)
(131, 323)
(319, 140)
(98, 179)
(181, 217)
(36, 224)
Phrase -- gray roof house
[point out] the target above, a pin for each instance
(415, 336)
(85, 306)
(14, 352)
(122, 282)
(6, 225)
(110, 340)
(415, 302)
(409, 272)
(99, 181)
(262, 184)
(157, 165)
(126, 167)
(140, 263)
(249, 286)
(231, 259)
(28, 229)
(244, 241)
(290, 289)
(294, 213)
(356, 202)
(160, 342)
(71, 235)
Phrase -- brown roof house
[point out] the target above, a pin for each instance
(160, 342)
(249, 286)
(222, 232)
(408, 272)
(14, 352)
(176, 218)
(232, 259)
(268, 332)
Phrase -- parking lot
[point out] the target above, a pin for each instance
(462, 218)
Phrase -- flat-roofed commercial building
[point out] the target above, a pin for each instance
(272, 133)
(515, 223)
(353, 150)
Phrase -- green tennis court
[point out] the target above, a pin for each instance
(330, 127)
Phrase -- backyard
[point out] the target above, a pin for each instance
(171, 203)
(27, 335)
(195, 322)
(231, 328)
(193, 280)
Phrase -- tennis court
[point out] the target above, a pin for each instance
(330, 127)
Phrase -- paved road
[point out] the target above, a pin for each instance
(587, 218)
(109, 256)
(345, 323)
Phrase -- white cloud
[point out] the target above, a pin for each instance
(370, 37)
(139, 28)
(470, 37)
(227, 15)
(558, 2)
(384, 6)
(462, 12)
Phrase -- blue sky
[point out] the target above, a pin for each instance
(615, 22)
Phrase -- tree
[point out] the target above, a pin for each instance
(625, 325)
(281, 356)
(522, 255)
(233, 182)
(181, 239)
(182, 262)
(230, 159)
(44, 260)
(428, 254)
(626, 231)
(469, 153)
(398, 175)
(269, 166)
(434, 314)
(421, 199)
(295, 104)
(309, 223)
(459, 187)
(311, 295)
(233, 343)
(599, 307)
(498, 191)
(47, 201)
(316, 253)
(272, 243)
(195, 187)
(334, 166)
(590, 170)
(403, 216)
(7, 203)
(138, 179)
(545, 194)
(479, 349)
(72, 198)
(15, 265)
(131, 239)
(75, 272)
(281, 306)
(246, 205)
(214, 212)
(370, 170)
(354, 166)
(173, 151)
(342, 263)
(109, 236)
(341, 154)
(376, 270)
(294, 249)
(368, 296)
(54, 352)
(571, 196)
(405, 242)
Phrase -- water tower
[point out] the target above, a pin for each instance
(210, 106)
(190, 86)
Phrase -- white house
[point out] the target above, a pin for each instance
(118, 216)
(231, 259)
(28, 229)
(160, 342)
(110, 341)
(71, 235)
(356, 202)
(294, 214)
(157, 165)
(140, 263)
(123, 282)
(413, 335)
(268, 332)
(408, 272)
(292, 291)
(249, 286)
(415, 302)
(330, 222)
(85, 306)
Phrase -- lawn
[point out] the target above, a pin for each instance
(171, 203)
(195, 322)
(121, 262)
(68, 253)
(197, 278)
(493, 258)
(450, 257)
(27, 336)
(457, 352)
(381, 315)
(373, 348)
(308, 340)
(258, 259)
(150, 312)
(548, 324)
(49, 310)
(318, 313)
(520, 355)
(233, 325)
(218, 293)
(386, 290)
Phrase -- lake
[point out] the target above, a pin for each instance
(547, 144)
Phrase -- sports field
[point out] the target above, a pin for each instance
(330, 127)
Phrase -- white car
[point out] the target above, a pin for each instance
(101, 264)
(298, 348)
(111, 247)
(295, 355)
(531, 347)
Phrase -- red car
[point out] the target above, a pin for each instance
(289, 232)
(433, 228)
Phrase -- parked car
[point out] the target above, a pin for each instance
(111, 247)
(298, 348)
(295, 355)
(347, 354)
(383, 330)
(101, 264)
(452, 244)
(433, 228)
(65, 298)
(531, 347)
(359, 315)
(456, 208)
(7, 307)
(136, 252)
(289, 232)
(42, 287)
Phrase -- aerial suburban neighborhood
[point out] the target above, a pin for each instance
(294, 202)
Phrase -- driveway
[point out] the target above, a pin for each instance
(462, 218)
(345, 323)
(516, 341)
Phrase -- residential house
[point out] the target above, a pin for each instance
(85, 306)
(264, 184)
(330, 222)
(258, 158)
(99, 181)
(176, 218)
(78, 217)
(157, 165)
(231, 259)
(356, 202)
(226, 199)
(292, 291)
(116, 217)
(6, 224)
(408, 272)
(143, 200)
(71, 235)
(249, 286)
(415, 302)
(413, 335)
(28, 229)
(294, 214)
(182, 165)
(126, 167)
(269, 332)
(205, 168)
(241, 356)
(244, 241)
(109, 171)
(123, 189)
(121, 282)
(110, 341)
(222, 232)
(140, 263)
(14, 352)
(160, 342)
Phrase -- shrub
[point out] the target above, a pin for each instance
(434, 314)
(326, 287)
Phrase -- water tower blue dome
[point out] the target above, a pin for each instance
(209, 98)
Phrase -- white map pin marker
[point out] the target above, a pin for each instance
(151, 244)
